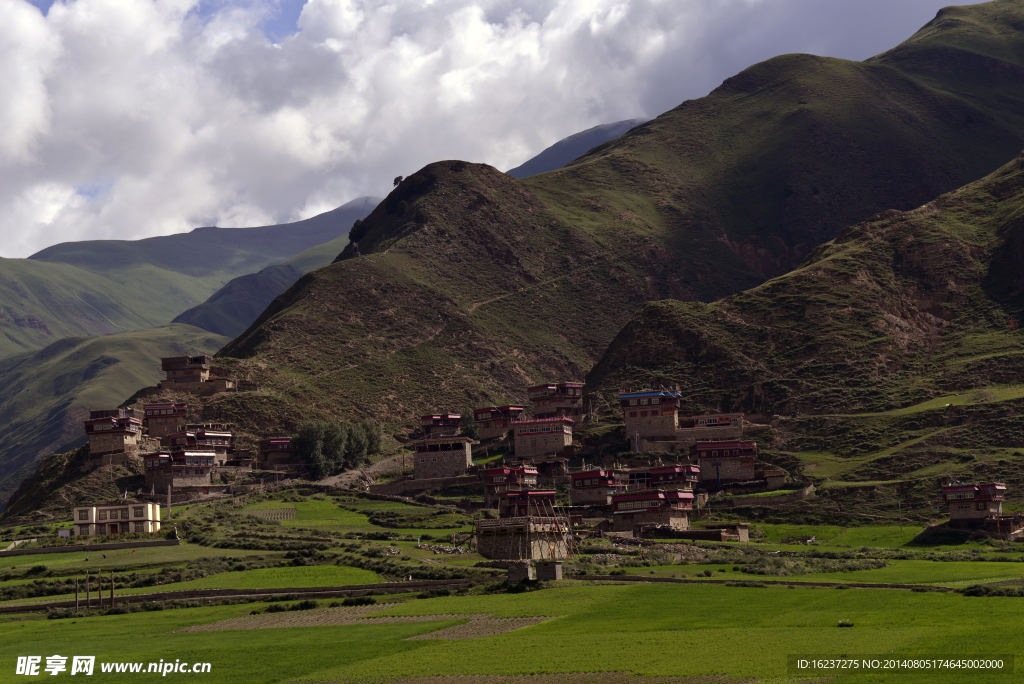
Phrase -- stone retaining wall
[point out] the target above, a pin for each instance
(406, 486)
(70, 548)
(799, 495)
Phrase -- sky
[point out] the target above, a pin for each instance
(127, 119)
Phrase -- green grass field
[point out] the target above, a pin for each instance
(654, 630)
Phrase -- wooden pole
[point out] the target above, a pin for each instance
(76, 596)
(88, 598)
(111, 588)
(99, 589)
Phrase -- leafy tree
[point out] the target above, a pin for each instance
(469, 426)
(398, 179)
(321, 445)
(358, 231)
(356, 450)
(374, 437)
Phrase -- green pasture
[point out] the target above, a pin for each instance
(652, 630)
(117, 558)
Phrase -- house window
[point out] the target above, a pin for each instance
(643, 402)
(632, 414)
(655, 401)
(138, 511)
(83, 515)
(140, 527)
(632, 402)
(113, 515)
(103, 515)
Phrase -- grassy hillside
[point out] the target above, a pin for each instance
(104, 286)
(41, 303)
(887, 353)
(471, 286)
(784, 155)
(49, 392)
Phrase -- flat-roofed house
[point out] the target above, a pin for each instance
(968, 505)
(441, 424)
(556, 399)
(505, 479)
(164, 419)
(496, 421)
(179, 470)
(651, 507)
(674, 477)
(725, 462)
(125, 516)
(113, 433)
(650, 413)
(595, 487)
(192, 374)
(443, 456)
(215, 437)
(542, 436)
(278, 453)
(537, 502)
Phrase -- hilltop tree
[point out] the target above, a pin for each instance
(469, 426)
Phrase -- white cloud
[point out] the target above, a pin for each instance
(124, 120)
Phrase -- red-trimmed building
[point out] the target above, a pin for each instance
(725, 462)
(651, 507)
(496, 421)
(537, 502)
(674, 477)
(278, 453)
(113, 431)
(650, 414)
(179, 470)
(596, 487)
(556, 399)
(505, 479)
(165, 419)
(213, 437)
(542, 436)
(715, 420)
(441, 424)
(442, 456)
(968, 505)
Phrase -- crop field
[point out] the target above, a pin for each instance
(735, 632)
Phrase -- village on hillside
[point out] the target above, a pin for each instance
(541, 493)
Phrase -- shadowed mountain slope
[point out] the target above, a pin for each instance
(576, 145)
(233, 308)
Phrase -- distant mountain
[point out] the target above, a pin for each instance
(47, 393)
(233, 308)
(576, 145)
(103, 286)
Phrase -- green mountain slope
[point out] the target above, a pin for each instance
(784, 155)
(888, 352)
(41, 303)
(102, 286)
(233, 308)
(47, 393)
(470, 285)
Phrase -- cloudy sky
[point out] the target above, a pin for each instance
(131, 118)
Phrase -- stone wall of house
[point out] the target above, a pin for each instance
(441, 464)
(627, 522)
(161, 426)
(111, 442)
(600, 496)
(730, 469)
(176, 482)
(541, 444)
(412, 486)
(516, 543)
(663, 424)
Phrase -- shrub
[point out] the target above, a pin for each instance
(276, 608)
(308, 604)
(358, 601)
(845, 623)
(434, 593)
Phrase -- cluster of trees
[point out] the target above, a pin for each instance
(329, 448)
